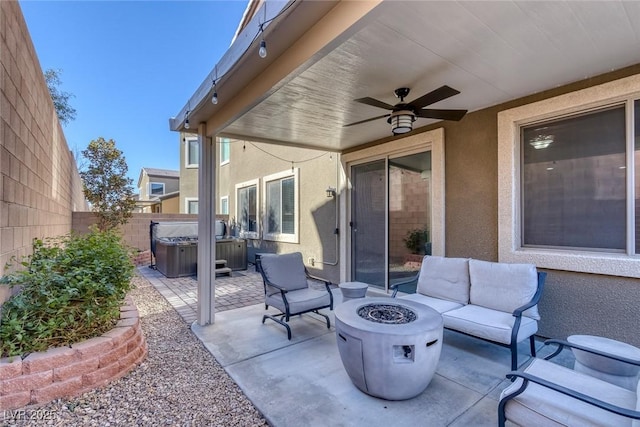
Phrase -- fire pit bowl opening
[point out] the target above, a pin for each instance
(389, 348)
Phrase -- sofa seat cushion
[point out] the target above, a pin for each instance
(439, 305)
(540, 406)
(503, 286)
(489, 324)
(444, 278)
(299, 300)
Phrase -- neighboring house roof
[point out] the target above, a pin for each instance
(163, 173)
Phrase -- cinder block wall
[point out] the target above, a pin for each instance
(39, 182)
(135, 232)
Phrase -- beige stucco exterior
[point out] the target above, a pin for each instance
(188, 174)
(572, 303)
(171, 182)
(471, 196)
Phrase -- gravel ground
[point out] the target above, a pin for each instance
(178, 384)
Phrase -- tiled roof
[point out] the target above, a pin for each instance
(162, 172)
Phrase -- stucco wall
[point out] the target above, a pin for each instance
(317, 212)
(572, 303)
(39, 182)
(188, 177)
(171, 205)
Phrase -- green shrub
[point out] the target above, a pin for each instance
(415, 240)
(71, 290)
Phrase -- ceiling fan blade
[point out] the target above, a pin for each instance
(367, 120)
(434, 96)
(441, 114)
(374, 103)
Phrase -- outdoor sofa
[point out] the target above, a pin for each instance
(488, 300)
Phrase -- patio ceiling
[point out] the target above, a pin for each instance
(492, 52)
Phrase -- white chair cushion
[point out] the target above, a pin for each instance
(286, 270)
(446, 278)
(540, 406)
(503, 286)
(439, 305)
(488, 324)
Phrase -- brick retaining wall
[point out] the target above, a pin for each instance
(68, 371)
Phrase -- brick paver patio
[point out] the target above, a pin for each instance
(240, 289)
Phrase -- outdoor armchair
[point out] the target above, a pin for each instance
(545, 393)
(287, 288)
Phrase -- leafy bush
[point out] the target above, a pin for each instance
(71, 290)
(416, 239)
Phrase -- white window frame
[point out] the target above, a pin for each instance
(249, 234)
(187, 144)
(509, 186)
(282, 237)
(224, 199)
(222, 142)
(150, 194)
(187, 200)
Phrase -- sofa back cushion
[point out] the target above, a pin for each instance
(285, 270)
(502, 286)
(446, 278)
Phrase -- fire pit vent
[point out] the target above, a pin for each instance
(387, 313)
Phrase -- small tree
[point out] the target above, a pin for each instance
(106, 185)
(66, 113)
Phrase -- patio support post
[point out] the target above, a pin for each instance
(206, 222)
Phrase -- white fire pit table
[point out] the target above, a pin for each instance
(390, 348)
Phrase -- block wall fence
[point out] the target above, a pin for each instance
(135, 232)
(39, 182)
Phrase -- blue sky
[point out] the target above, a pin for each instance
(130, 66)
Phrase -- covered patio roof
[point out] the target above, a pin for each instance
(323, 55)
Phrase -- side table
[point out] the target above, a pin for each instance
(352, 290)
(612, 371)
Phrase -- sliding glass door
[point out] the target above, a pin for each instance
(390, 218)
(368, 223)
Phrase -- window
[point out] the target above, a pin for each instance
(156, 188)
(247, 209)
(191, 205)
(224, 205)
(569, 184)
(281, 211)
(224, 151)
(192, 152)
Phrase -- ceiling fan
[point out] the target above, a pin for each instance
(403, 114)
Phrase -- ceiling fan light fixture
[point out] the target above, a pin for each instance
(401, 121)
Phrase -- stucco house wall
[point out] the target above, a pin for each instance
(188, 175)
(39, 182)
(170, 179)
(318, 170)
(572, 303)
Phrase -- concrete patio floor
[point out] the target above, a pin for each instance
(303, 382)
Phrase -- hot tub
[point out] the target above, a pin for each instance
(389, 348)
